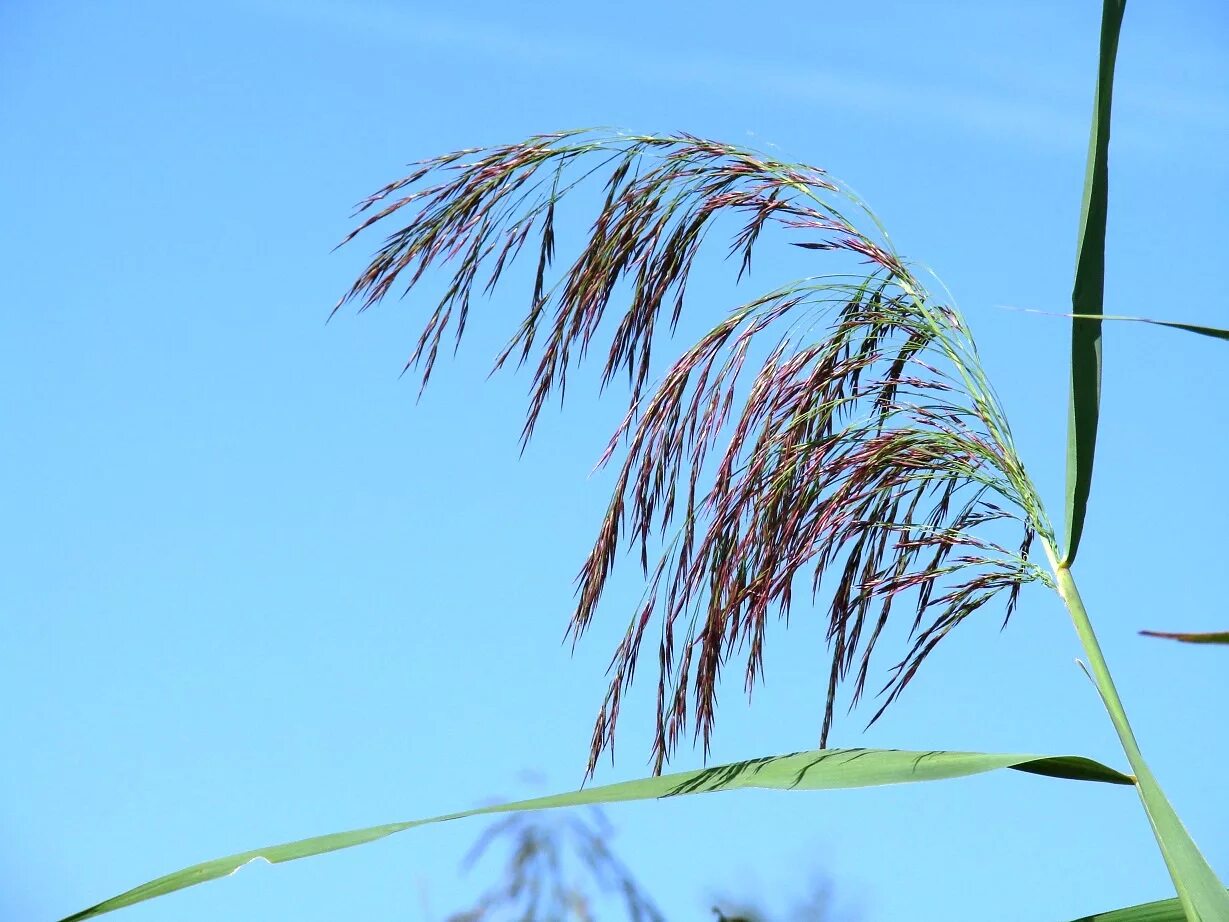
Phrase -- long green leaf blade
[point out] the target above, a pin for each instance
(1209, 637)
(1198, 328)
(822, 769)
(1196, 881)
(1169, 910)
(1203, 896)
(1214, 332)
(1088, 293)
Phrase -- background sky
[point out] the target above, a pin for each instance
(252, 591)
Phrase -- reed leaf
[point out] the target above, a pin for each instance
(800, 771)
(866, 447)
(1202, 895)
(1198, 329)
(1159, 911)
(1209, 637)
(1088, 292)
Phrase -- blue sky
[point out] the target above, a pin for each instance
(252, 591)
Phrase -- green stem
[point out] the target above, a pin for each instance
(1156, 806)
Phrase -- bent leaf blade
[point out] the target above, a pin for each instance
(1197, 328)
(822, 769)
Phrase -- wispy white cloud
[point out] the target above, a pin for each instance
(999, 111)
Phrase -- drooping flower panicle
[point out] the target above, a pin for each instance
(865, 447)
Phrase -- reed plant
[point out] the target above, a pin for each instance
(836, 436)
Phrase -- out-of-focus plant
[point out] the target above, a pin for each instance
(563, 868)
(558, 867)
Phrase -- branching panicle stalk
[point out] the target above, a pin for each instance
(839, 426)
